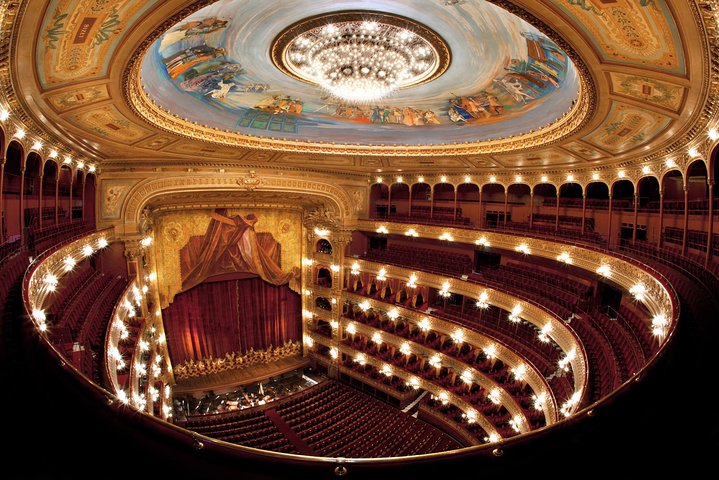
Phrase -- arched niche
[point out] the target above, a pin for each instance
(648, 192)
(492, 213)
(323, 246)
(673, 192)
(518, 202)
(468, 203)
(420, 200)
(31, 190)
(88, 204)
(323, 303)
(77, 196)
(378, 197)
(570, 195)
(12, 190)
(324, 277)
(399, 193)
(443, 202)
(697, 188)
(49, 187)
(623, 195)
(63, 190)
(597, 196)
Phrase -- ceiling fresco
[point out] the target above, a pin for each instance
(505, 77)
(115, 81)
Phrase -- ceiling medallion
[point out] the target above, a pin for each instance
(360, 57)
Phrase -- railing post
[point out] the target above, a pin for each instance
(556, 221)
(609, 230)
(531, 207)
(636, 217)
(584, 211)
(661, 218)
(506, 201)
(686, 220)
(710, 227)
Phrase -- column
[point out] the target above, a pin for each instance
(84, 182)
(531, 207)
(686, 219)
(609, 230)
(409, 209)
(455, 204)
(556, 222)
(57, 194)
(480, 224)
(506, 201)
(636, 216)
(22, 200)
(584, 211)
(39, 198)
(69, 206)
(431, 201)
(389, 198)
(710, 226)
(2, 201)
(661, 218)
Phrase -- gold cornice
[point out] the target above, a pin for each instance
(147, 109)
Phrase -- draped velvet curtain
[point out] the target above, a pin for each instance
(215, 318)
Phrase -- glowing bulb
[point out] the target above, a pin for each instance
(595, 176)
(335, 268)
(670, 163)
(646, 170)
(309, 341)
(519, 372)
(334, 353)
(101, 242)
(457, 336)
(443, 179)
(411, 233)
(443, 397)
(435, 361)
(514, 315)
(91, 168)
(467, 179)
(80, 164)
(424, 324)
(53, 154)
(399, 179)
(539, 400)
(307, 262)
(377, 338)
(523, 248)
(492, 179)
(495, 396)
(605, 270)
(321, 232)
(382, 274)
(38, 315)
(355, 269)
(564, 258)
(144, 346)
(570, 178)
(382, 229)
(146, 242)
(393, 314)
(518, 178)
(379, 179)
(364, 306)
(482, 241)
(545, 179)
(387, 370)
(361, 358)
(405, 348)
(37, 146)
(544, 333)
(713, 134)
(67, 160)
(20, 133)
(351, 329)
(621, 173)
(490, 351)
(446, 236)
(412, 283)
(693, 152)
(4, 115)
(639, 291)
(420, 179)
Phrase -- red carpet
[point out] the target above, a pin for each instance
(287, 431)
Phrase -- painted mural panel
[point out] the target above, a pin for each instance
(662, 94)
(78, 98)
(627, 127)
(78, 37)
(112, 195)
(583, 150)
(108, 122)
(196, 244)
(630, 32)
(506, 77)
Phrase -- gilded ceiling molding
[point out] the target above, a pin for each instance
(141, 193)
(147, 109)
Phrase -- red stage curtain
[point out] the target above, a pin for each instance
(215, 318)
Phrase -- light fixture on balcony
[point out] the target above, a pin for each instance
(411, 233)
(355, 269)
(544, 333)
(514, 314)
(482, 301)
(444, 292)
(382, 274)
(412, 283)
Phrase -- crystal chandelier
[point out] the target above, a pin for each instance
(361, 57)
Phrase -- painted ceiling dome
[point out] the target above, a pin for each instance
(474, 74)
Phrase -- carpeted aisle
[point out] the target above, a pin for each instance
(287, 431)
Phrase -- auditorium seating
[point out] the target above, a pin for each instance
(425, 259)
(40, 239)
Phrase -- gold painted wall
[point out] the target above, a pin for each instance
(174, 229)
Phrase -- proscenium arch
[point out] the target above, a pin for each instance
(144, 191)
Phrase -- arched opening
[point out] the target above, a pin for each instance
(372, 289)
(493, 205)
(399, 194)
(385, 292)
(12, 192)
(88, 204)
(49, 191)
(77, 196)
(324, 277)
(597, 196)
(323, 246)
(672, 208)
(401, 296)
(570, 198)
(323, 303)
(31, 190)
(63, 190)
(421, 200)
(545, 197)
(468, 204)
(622, 210)
(518, 203)
(648, 208)
(443, 203)
(378, 198)
(698, 207)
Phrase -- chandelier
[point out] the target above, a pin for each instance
(361, 57)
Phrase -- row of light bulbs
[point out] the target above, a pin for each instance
(659, 329)
(38, 146)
